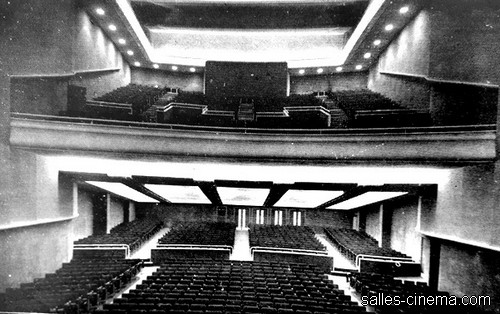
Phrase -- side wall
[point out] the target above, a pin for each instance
(44, 41)
(467, 270)
(332, 82)
(456, 86)
(190, 82)
(408, 54)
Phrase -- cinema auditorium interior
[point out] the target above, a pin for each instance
(249, 156)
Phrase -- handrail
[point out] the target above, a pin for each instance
(357, 131)
(102, 246)
(381, 257)
(288, 250)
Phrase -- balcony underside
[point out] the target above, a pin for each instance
(434, 145)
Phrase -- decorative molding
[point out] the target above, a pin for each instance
(436, 80)
(36, 223)
(64, 75)
(96, 71)
(460, 240)
(439, 145)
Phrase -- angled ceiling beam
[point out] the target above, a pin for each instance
(210, 190)
(275, 193)
(344, 197)
(141, 188)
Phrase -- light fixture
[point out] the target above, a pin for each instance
(100, 11)
(366, 199)
(338, 69)
(192, 69)
(302, 71)
(130, 52)
(174, 67)
(403, 10)
(359, 67)
(137, 64)
(377, 42)
(320, 70)
(389, 27)
(156, 66)
(122, 41)
(367, 55)
(112, 27)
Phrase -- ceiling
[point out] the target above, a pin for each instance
(303, 195)
(181, 35)
(273, 185)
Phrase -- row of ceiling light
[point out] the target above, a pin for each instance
(122, 41)
(366, 55)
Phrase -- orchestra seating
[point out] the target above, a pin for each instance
(364, 251)
(290, 237)
(376, 286)
(124, 239)
(77, 287)
(367, 109)
(213, 240)
(288, 243)
(207, 286)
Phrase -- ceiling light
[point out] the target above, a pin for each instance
(122, 41)
(242, 196)
(403, 10)
(156, 66)
(302, 71)
(306, 198)
(366, 199)
(192, 69)
(130, 52)
(359, 67)
(123, 190)
(377, 42)
(338, 69)
(180, 193)
(174, 67)
(320, 70)
(100, 11)
(389, 27)
(367, 55)
(112, 27)
(137, 64)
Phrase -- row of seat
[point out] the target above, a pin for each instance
(352, 243)
(201, 233)
(290, 237)
(133, 233)
(207, 286)
(76, 287)
(372, 286)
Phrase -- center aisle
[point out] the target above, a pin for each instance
(145, 251)
(241, 249)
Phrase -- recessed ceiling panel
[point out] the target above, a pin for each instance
(124, 191)
(180, 193)
(366, 199)
(242, 196)
(306, 198)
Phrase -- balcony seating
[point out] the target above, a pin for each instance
(288, 243)
(76, 287)
(206, 286)
(130, 235)
(196, 240)
(367, 109)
